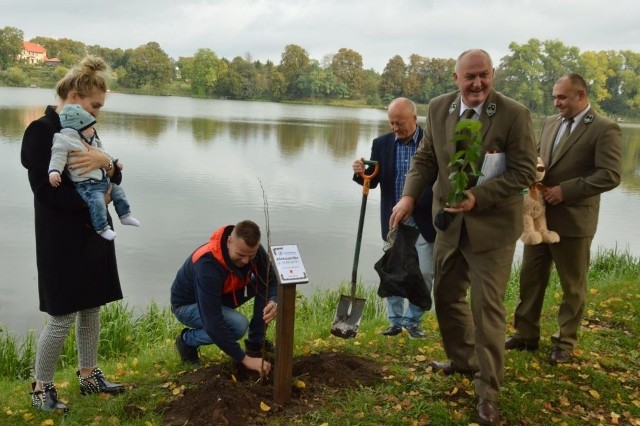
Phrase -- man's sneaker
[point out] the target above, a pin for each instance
(188, 354)
(415, 332)
(392, 330)
(254, 350)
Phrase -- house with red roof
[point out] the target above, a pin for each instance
(51, 62)
(33, 53)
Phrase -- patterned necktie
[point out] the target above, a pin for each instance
(466, 115)
(563, 138)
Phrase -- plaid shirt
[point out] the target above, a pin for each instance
(404, 153)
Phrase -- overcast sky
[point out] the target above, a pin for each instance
(377, 29)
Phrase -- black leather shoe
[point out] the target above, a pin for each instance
(448, 369)
(188, 354)
(47, 398)
(415, 332)
(97, 383)
(560, 356)
(392, 330)
(488, 412)
(520, 345)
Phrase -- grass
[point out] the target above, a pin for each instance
(601, 388)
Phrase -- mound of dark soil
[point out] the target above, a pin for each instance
(222, 394)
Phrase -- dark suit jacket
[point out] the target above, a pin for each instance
(496, 220)
(589, 163)
(383, 151)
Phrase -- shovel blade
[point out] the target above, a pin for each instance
(348, 316)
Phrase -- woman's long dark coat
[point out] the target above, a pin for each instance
(76, 267)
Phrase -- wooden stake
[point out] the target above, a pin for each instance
(282, 376)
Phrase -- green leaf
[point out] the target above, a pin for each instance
(465, 163)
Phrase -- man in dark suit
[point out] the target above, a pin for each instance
(393, 153)
(581, 165)
(476, 249)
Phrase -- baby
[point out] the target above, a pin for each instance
(77, 126)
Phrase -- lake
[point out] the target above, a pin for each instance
(193, 165)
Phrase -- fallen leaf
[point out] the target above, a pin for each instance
(614, 418)
(264, 407)
(594, 393)
(299, 384)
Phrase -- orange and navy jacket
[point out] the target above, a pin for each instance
(209, 279)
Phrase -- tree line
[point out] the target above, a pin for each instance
(526, 74)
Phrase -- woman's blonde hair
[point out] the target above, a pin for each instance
(90, 74)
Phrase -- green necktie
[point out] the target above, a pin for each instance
(563, 138)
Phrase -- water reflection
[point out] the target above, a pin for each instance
(631, 160)
(148, 127)
(203, 130)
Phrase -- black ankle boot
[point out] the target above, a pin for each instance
(47, 398)
(101, 385)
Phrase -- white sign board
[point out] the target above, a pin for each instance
(288, 263)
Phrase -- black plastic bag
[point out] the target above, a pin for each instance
(399, 269)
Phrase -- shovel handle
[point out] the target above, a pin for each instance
(363, 207)
(366, 178)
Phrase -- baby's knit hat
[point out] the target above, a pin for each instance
(73, 116)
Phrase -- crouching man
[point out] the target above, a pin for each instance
(218, 277)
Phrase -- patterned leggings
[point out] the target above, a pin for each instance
(54, 334)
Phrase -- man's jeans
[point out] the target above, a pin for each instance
(93, 191)
(189, 315)
(410, 315)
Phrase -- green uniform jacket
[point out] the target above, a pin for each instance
(496, 220)
(589, 163)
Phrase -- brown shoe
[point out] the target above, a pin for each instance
(488, 412)
(560, 356)
(448, 369)
(514, 343)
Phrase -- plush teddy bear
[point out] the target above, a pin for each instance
(535, 222)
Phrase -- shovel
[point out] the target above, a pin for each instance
(350, 308)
